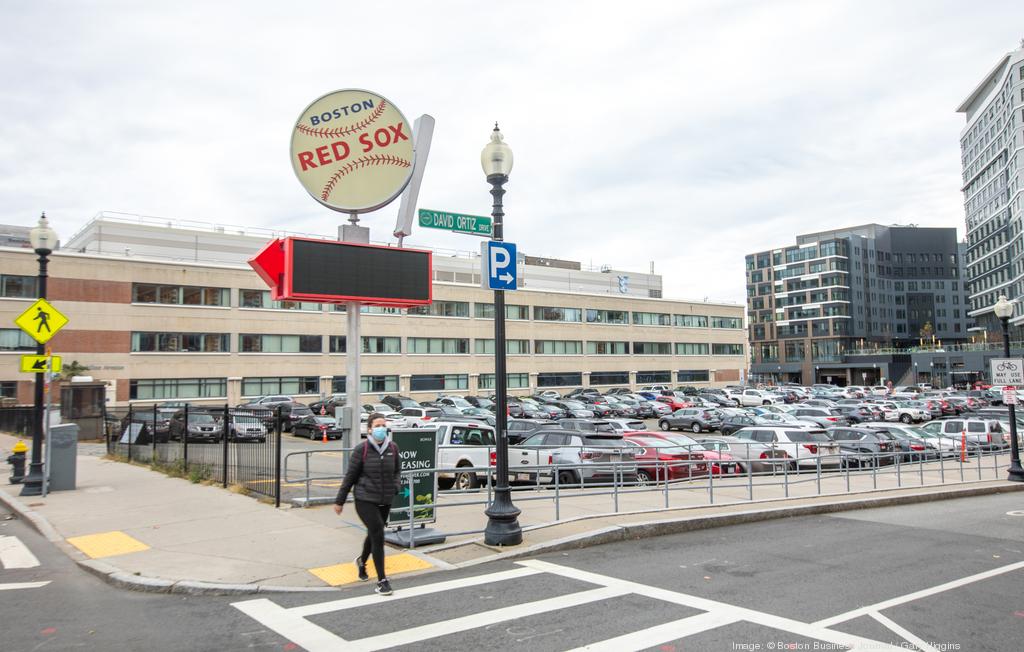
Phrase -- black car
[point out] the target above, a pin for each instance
(327, 406)
(316, 426)
(520, 429)
(157, 422)
(398, 402)
(717, 399)
(857, 413)
(480, 401)
(865, 446)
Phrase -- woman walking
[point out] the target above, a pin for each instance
(373, 473)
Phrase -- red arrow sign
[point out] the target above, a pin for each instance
(327, 271)
(269, 264)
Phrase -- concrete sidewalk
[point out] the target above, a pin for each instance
(144, 530)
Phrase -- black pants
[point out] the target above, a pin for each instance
(374, 517)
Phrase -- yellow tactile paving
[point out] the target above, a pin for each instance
(107, 544)
(339, 574)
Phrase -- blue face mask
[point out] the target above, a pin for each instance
(379, 433)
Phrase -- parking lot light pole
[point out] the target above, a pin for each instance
(1004, 310)
(502, 516)
(42, 238)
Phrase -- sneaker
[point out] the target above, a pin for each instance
(383, 587)
(361, 568)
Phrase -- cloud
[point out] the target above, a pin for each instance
(688, 134)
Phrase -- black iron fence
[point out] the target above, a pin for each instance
(17, 420)
(232, 446)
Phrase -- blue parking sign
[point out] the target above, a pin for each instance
(498, 265)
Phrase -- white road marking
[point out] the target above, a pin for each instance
(473, 621)
(452, 585)
(658, 634)
(910, 597)
(902, 631)
(15, 554)
(814, 631)
(290, 625)
(22, 585)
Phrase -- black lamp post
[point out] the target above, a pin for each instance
(502, 516)
(42, 238)
(1004, 310)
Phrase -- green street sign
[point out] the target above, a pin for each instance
(468, 224)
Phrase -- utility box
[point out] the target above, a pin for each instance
(63, 457)
(84, 404)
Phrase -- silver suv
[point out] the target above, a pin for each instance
(806, 447)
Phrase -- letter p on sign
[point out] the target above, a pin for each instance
(498, 265)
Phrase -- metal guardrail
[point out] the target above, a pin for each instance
(962, 465)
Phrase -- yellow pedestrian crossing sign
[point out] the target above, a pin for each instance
(36, 364)
(42, 321)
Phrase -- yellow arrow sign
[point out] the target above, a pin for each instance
(35, 364)
(42, 321)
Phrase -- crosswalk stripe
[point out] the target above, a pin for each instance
(22, 585)
(14, 553)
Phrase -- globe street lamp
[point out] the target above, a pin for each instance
(502, 516)
(42, 238)
(1004, 310)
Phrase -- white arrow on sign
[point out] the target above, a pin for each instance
(508, 278)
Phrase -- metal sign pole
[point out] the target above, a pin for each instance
(46, 426)
(353, 381)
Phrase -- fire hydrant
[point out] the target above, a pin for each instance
(17, 461)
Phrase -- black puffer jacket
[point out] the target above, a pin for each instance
(374, 475)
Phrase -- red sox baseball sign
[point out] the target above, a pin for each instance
(352, 150)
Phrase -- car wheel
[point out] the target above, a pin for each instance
(664, 425)
(906, 418)
(695, 427)
(643, 478)
(567, 478)
(465, 481)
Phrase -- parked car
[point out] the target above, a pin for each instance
(520, 429)
(479, 401)
(673, 402)
(718, 399)
(695, 419)
(453, 401)
(734, 422)
(942, 446)
(597, 404)
(328, 405)
(549, 395)
(625, 426)
(747, 454)
(824, 417)
(463, 446)
(986, 434)
(157, 422)
(857, 413)
(865, 446)
(621, 409)
(201, 426)
(750, 397)
(574, 409)
(589, 457)
(420, 417)
(315, 426)
(587, 425)
(660, 459)
(396, 402)
(806, 448)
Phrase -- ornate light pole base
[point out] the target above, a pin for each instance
(33, 482)
(1016, 472)
(503, 520)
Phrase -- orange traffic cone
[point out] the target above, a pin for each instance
(325, 435)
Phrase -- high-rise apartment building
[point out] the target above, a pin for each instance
(835, 293)
(992, 148)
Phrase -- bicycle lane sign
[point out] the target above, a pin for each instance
(1007, 371)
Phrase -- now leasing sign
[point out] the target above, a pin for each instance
(417, 450)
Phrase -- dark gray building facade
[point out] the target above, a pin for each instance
(817, 308)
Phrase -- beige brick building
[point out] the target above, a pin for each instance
(164, 311)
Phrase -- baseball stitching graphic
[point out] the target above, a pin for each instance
(344, 131)
(362, 162)
(352, 150)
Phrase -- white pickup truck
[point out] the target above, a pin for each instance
(463, 446)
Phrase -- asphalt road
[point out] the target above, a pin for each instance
(900, 576)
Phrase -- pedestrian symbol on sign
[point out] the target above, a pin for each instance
(43, 318)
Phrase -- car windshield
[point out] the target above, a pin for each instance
(807, 435)
(301, 409)
(596, 439)
(325, 420)
(200, 418)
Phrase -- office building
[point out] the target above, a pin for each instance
(992, 150)
(164, 310)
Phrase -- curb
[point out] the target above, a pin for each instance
(648, 529)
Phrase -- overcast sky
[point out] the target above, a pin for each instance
(684, 133)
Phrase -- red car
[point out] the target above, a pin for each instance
(659, 457)
(674, 402)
